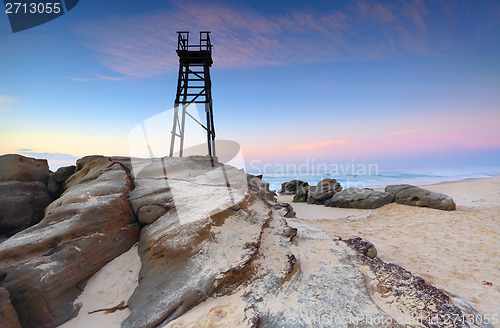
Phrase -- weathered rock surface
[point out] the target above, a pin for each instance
(290, 187)
(284, 209)
(300, 277)
(189, 251)
(64, 173)
(323, 191)
(212, 242)
(260, 188)
(8, 316)
(362, 246)
(301, 194)
(88, 226)
(26, 169)
(408, 298)
(23, 192)
(250, 266)
(22, 204)
(314, 281)
(365, 198)
(57, 179)
(415, 196)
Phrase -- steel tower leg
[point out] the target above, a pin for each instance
(174, 130)
(181, 130)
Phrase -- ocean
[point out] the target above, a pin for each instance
(380, 179)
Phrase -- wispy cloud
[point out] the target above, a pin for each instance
(55, 160)
(111, 78)
(31, 152)
(484, 144)
(6, 102)
(81, 79)
(318, 145)
(98, 77)
(405, 131)
(143, 45)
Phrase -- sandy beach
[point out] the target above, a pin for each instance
(113, 284)
(457, 251)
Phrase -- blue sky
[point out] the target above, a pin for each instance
(390, 81)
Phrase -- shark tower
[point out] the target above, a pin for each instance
(193, 86)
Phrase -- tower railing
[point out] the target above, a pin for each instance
(205, 43)
(182, 40)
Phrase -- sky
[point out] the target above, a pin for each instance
(392, 82)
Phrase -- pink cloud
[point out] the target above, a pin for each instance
(6, 102)
(143, 45)
(483, 144)
(459, 130)
(7, 99)
(317, 145)
(405, 131)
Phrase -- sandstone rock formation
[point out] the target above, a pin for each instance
(365, 198)
(284, 209)
(301, 194)
(20, 168)
(409, 299)
(302, 278)
(23, 192)
(362, 246)
(211, 246)
(318, 194)
(415, 196)
(291, 187)
(188, 251)
(88, 226)
(324, 190)
(256, 268)
(8, 316)
(57, 179)
(260, 188)
(63, 173)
